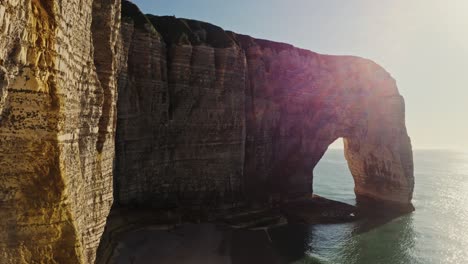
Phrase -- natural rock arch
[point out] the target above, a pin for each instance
(208, 118)
(205, 116)
(230, 119)
(300, 102)
(331, 176)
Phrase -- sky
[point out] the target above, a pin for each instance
(422, 43)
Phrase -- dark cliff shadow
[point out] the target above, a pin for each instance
(247, 246)
(147, 235)
(291, 242)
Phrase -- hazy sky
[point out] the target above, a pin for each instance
(422, 43)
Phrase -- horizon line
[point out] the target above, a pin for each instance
(420, 148)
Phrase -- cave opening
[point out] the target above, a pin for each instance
(332, 178)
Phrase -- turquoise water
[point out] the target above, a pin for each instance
(436, 232)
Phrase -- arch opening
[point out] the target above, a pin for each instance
(331, 177)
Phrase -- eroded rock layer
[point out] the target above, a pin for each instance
(57, 101)
(181, 121)
(215, 119)
(206, 120)
(299, 102)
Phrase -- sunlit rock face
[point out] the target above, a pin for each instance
(214, 119)
(57, 105)
(206, 120)
(299, 102)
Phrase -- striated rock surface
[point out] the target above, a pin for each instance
(299, 102)
(216, 119)
(206, 120)
(181, 122)
(57, 101)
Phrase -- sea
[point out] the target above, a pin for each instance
(436, 232)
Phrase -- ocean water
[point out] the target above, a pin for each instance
(436, 232)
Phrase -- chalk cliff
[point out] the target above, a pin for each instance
(205, 120)
(217, 119)
(299, 102)
(181, 117)
(57, 105)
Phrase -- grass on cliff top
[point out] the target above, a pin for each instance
(180, 31)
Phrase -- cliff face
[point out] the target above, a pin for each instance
(181, 121)
(214, 118)
(299, 102)
(206, 120)
(57, 100)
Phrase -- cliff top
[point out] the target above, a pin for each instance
(183, 31)
(180, 31)
(131, 12)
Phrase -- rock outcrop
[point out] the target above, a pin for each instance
(299, 102)
(57, 104)
(214, 119)
(206, 120)
(181, 118)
